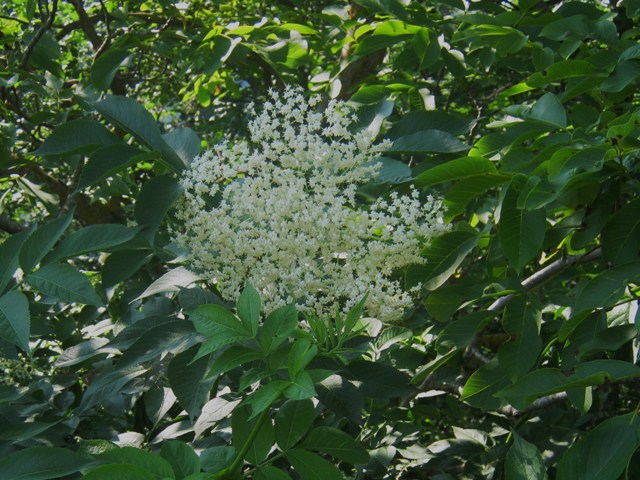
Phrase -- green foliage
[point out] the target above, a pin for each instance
(520, 357)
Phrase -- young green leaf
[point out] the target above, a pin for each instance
(336, 443)
(248, 307)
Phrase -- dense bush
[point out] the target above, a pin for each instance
(123, 358)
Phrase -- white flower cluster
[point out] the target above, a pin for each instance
(280, 212)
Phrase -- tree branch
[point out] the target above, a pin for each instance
(44, 26)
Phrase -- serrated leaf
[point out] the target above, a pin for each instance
(171, 281)
(64, 282)
(186, 378)
(341, 397)
(40, 242)
(15, 319)
(132, 117)
(521, 232)
(524, 461)
(41, 463)
(241, 428)
(264, 396)
(93, 238)
(154, 201)
(380, 380)
(549, 109)
(122, 264)
(184, 142)
(106, 66)
(153, 464)
(219, 325)
(336, 443)
(213, 411)
(428, 141)
(311, 466)
(481, 386)
(277, 327)
(182, 458)
(301, 387)
(81, 352)
(604, 452)
(458, 169)
(248, 307)
(621, 235)
(76, 136)
(444, 256)
(169, 337)
(293, 420)
(231, 358)
(520, 354)
(9, 252)
(606, 288)
(118, 472)
(109, 160)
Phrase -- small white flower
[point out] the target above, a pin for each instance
(281, 213)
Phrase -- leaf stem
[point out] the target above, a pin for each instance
(228, 472)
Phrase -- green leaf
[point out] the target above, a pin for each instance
(186, 378)
(153, 464)
(132, 117)
(468, 189)
(42, 241)
(625, 74)
(336, 443)
(184, 142)
(231, 358)
(76, 136)
(241, 427)
(311, 466)
(215, 410)
(521, 232)
(219, 325)
(414, 122)
(264, 397)
(15, 320)
(118, 472)
(341, 397)
(428, 141)
(301, 387)
(292, 422)
(300, 355)
(444, 256)
(549, 109)
(172, 337)
(216, 459)
(483, 384)
(123, 264)
(106, 66)
(41, 463)
(80, 352)
(171, 281)
(461, 332)
(248, 307)
(458, 169)
(604, 452)
(621, 235)
(154, 200)
(109, 160)
(182, 458)
(105, 385)
(520, 354)
(605, 289)
(380, 380)
(9, 252)
(92, 238)
(64, 282)
(270, 473)
(524, 461)
(277, 327)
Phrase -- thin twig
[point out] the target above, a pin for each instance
(44, 26)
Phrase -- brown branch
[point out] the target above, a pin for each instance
(44, 26)
(545, 274)
(86, 24)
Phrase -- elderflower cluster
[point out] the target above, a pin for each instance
(280, 211)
